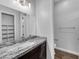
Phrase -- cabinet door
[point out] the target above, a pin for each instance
(34, 54)
(39, 52)
(26, 56)
(43, 51)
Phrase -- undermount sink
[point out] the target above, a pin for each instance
(26, 44)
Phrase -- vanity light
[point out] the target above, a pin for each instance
(23, 3)
(29, 5)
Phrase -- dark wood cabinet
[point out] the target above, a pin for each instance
(38, 53)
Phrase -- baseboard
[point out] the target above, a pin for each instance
(68, 51)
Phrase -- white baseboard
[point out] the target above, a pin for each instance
(68, 51)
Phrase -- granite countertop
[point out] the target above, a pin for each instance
(20, 49)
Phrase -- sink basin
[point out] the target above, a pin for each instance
(26, 44)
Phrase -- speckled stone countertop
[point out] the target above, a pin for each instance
(20, 49)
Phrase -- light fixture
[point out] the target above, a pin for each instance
(23, 3)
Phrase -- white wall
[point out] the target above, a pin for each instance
(17, 14)
(67, 25)
(44, 20)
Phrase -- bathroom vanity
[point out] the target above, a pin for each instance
(30, 49)
(37, 52)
